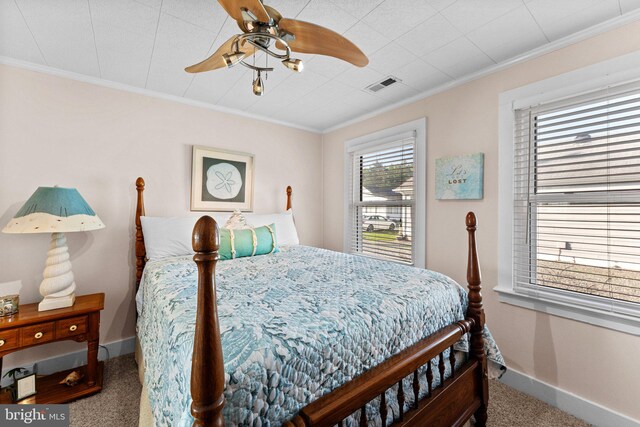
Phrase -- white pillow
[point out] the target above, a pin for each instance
(286, 233)
(171, 236)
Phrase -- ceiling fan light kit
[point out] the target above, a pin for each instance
(264, 29)
(294, 65)
(258, 86)
(231, 59)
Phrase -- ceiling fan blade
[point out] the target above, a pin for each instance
(235, 7)
(216, 61)
(312, 38)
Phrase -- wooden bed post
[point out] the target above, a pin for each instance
(141, 252)
(207, 365)
(476, 312)
(288, 197)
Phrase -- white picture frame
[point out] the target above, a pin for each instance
(25, 387)
(221, 180)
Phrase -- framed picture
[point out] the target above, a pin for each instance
(221, 180)
(460, 177)
(25, 387)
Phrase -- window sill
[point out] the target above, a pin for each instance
(570, 308)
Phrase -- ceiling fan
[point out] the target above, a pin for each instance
(264, 29)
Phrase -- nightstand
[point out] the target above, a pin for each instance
(30, 327)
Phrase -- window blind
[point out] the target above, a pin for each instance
(381, 208)
(577, 196)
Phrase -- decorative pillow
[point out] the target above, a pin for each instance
(286, 229)
(244, 242)
(236, 221)
(171, 236)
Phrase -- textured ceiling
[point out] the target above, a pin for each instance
(425, 43)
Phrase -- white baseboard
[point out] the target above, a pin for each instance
(577, 406)
(77, 358)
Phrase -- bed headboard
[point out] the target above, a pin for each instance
(141, 252)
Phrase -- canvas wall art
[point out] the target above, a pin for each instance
(460, 177)
(221, 180)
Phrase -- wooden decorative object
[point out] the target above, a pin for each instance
(72, 379)
(452, 403)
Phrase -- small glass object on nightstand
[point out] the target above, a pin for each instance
(10, 297)
(9, 305)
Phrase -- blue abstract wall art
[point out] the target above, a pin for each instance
(460, 177)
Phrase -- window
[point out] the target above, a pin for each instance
(382, 211)
(577, 196)
(570, 190)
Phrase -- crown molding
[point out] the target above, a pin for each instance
(4, 60)
(569, 40)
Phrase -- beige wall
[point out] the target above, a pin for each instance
(594, 363)
(64, 132)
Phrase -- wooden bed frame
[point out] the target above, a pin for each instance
(452, 403)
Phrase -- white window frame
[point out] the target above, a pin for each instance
(584, 308)
(379, 138)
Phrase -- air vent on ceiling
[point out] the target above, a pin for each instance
(386, 82)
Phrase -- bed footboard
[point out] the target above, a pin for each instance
(399, 372)
(452, 403)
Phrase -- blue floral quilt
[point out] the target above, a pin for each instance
(294, 326)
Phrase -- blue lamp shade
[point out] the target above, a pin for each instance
(54, 210)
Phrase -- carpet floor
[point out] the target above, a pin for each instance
(118, 403)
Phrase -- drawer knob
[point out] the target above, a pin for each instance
(1, 343)
(73, 327)
(38, 335)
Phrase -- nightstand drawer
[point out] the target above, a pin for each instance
(37, 334)
(8, 339)
(71, 327)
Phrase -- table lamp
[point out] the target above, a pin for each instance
(55, 210)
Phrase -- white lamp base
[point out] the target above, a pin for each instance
(58, 287)
(51, 303)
